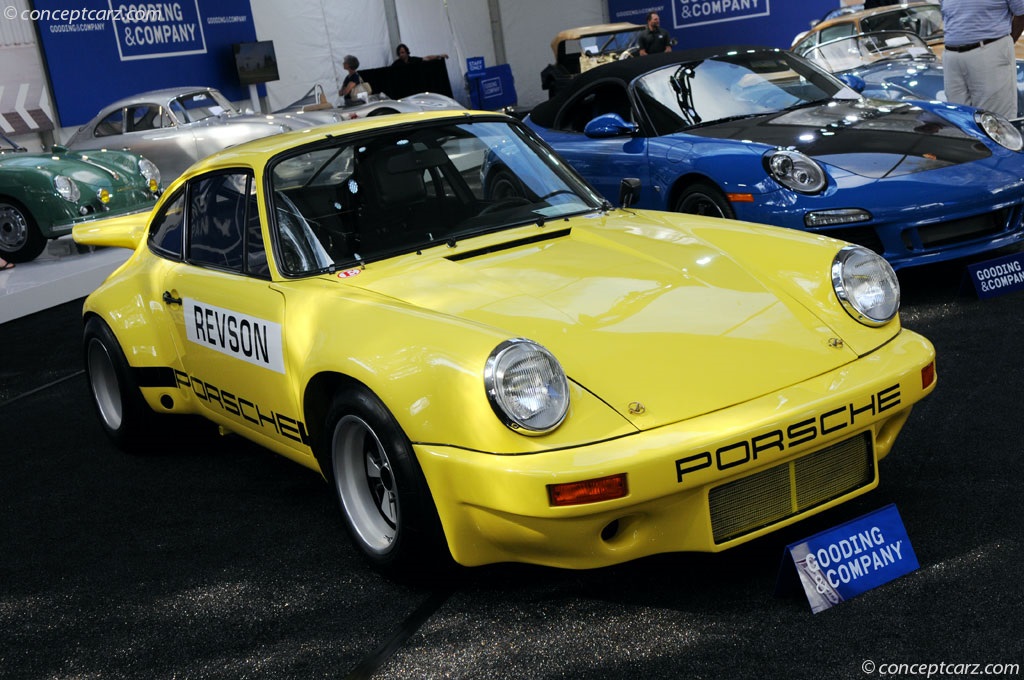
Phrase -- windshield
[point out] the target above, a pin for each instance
(359, 199)
(859, 50)
(614, 42)
(924, 20)
(731, 86)
(202, 104)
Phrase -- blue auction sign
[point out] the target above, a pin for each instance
(850, 559)
(97, 51)
(999, 276)
(708, 23)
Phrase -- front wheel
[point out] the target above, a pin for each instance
(20, 238)
(704, 199)
(384, 497)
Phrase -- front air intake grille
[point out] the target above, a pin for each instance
(788, 489)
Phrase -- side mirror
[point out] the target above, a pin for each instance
(629, 191)
(609, 125)
(855, 83)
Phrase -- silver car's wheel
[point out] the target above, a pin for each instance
(383, 495)
(365, 483)
(20, 239)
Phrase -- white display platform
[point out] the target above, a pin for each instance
(63, 272)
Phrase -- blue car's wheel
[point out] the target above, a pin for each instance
(20, 238)
(384, 498)
(704, 199)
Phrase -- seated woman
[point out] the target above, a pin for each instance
(350, 87)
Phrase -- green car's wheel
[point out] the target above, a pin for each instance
(20, 238)
(384, 497)
(704, 199)
(124, 414)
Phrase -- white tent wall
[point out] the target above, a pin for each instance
(458, 28)
(312, 37)
(527, 31)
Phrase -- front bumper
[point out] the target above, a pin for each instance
(706, 484)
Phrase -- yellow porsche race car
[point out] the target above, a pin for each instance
(488, 362)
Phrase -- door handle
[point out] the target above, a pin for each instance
(170, 299)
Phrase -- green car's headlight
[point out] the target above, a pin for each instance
(1000, 130)
(866, 285)
(795, 170)
(67, 189)
(526, 386)
(150, 172)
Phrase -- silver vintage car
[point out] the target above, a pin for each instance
(175, 127)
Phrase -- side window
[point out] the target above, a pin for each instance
(142, 117)
(601, 99)
(837, 31)
(217, 219)
(112, 124)
(166, 233)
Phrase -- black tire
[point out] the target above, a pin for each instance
(503, 185)
(704, 199)
(124, 414)
(20, 238)
(380, 487)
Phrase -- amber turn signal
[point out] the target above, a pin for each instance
(588, 491)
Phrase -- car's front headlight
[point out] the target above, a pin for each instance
(1000, 130)
(795, 170)
(150, 172)
(866, 285)
(526, 386)
(67, 189)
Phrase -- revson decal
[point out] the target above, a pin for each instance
(801, 432)
(248, 338)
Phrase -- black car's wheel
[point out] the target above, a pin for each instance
(124, 414)
(704, 199)
(383, 495)
(20, 238)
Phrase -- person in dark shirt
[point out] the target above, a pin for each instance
(655, 39)
(404, 58)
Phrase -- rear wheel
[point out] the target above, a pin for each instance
(124, 414)
(20, 238)
(704, 199)
(384, 497)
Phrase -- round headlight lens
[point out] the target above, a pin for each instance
(796, 171)
(1000, 130)
(67, 189)
(866, 285)
(149, 171)
(526, 386)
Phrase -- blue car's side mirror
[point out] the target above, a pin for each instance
(855, 83)
(609, 125)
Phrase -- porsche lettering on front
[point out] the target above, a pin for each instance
(485, 361)
(790, 436)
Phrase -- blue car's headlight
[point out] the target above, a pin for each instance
(526, 386)
(1000, 130)
(66, 188)
(866, 285)
(795, 171)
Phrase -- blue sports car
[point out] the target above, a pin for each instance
(763, 135)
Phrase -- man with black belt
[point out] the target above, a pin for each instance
(656, 39)
(979, 68)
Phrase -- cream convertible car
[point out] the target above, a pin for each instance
(489, 363)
